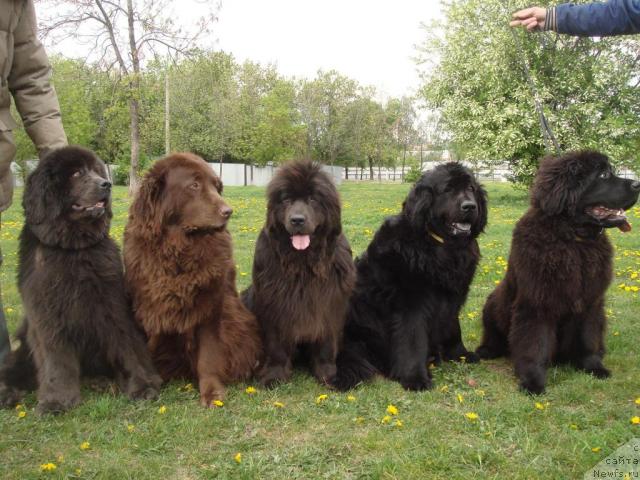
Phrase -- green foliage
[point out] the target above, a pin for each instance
(413, 174)
(588, 87)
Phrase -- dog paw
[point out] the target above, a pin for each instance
(209, 399)
(325, 373)
(9, 396)
(416, 383)
(270, 377)
(56, 406)
(599, 372)
(532, 387)
(486, 353)
(468, 357)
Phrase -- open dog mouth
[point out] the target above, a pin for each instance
(300, 242)
(614, 217)
(459, 228)
(95, 209)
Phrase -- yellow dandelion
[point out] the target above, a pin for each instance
(238, 457)
(22, 414)
(616, 334)
(596, 449)
(480, 392)
(573, 426)
(359, 420)
(471, 416)
(131, 427)
(19, 406)
(351, 398)
(635, 420)
(48, 467)
(250, 390)
(321, 398)
(60, 458)
(78, 471)
(398, 423)
(637, 401)
(85, 446)
(460, 398)
(187, 388)
(540, 406)
(217, 403)
(162, 410)
(386, 419)
(278, 404)
(444, 388)
(392, 410)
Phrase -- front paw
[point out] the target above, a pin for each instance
(599, 372)
(325, 373)
(57, 405)
(9, 396)
(416, 383)
(271, 376)
(208, 399)
(468, 357)
(144, 389)
(532, 384)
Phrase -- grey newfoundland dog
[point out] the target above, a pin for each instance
(77, 320)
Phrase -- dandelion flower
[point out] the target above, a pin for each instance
(635, 420)
(638, 401)
(472, 416)
(359, 420)
(60, 458)
(460, 398)
(22, 414)
(48, 467)
(398, 423)
(217, 403)
(187, 388)
(386, 419)
(540, 406)
(573, 426)
(480, 392)
(131, 427)
(351, 398)
(278, 404)
(444, 388)
(85, 446)
(392, 410)
(596, 449)
(321, 398)
(250, 390)
(238, 457)
(19, 406)
(162, 410)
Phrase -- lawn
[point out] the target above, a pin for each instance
(559, 435)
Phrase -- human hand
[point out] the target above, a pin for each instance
(530, 18)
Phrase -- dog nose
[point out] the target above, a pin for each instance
(635, 185)
(226, 211)
(106, 185)
(297, 220)
(468, 206)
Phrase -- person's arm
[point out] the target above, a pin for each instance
(614, 17)
(29, 82)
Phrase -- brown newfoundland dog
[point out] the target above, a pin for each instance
(303, 273)
(77, 319)
(180, 274)
(550, 306)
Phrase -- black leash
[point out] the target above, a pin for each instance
(547, 134)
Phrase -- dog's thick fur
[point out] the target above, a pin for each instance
(181, 275)
(412, 281)
(303, 273)
(77, 319)
(550, 305)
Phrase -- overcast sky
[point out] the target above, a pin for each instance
(371, 41)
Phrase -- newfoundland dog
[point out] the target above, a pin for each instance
(181, 277)
(303, 273)
(412, 281)
(550, 306)
(77, 319)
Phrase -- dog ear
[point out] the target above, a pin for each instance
(145, 214)
(40, 201)
(481, 201)
(556, 188)
(418, 200)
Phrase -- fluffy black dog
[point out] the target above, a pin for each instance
(412, 281)
(550, 306)
(77, 319)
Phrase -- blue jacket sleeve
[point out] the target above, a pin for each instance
(600, 19)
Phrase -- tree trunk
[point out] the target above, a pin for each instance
(404, 161)
(167, 123)
(135, 141)
(346, 173)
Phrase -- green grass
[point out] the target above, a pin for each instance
(339, 438)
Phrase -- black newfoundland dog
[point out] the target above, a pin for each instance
(303, 273)
(412, 281)
(550, 306)
(77, 320)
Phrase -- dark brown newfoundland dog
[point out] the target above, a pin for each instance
(550, 306)
(303, 273)
(77, 319)
(181, 277)
(412, 281)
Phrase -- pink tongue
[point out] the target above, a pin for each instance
(625, 227)
(300, 242)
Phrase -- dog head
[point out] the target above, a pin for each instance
(583, 187)
(303, 205)
(68, 192)
(447, 201)
(181, 191)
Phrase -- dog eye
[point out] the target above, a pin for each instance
(471, 188)
(605, 175)
(195, 186)
(76, 174)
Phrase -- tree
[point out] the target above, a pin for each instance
(121, 33)
(588, 87)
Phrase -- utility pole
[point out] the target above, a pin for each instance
(167, 123)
